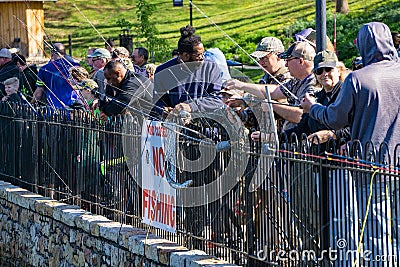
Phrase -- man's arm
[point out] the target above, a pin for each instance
(203, 104)
(256, 89)
(37, 95)
(120, 102)
(337, 115)
(289, 113)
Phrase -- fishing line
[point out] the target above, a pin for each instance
(63, 62)
(287, 91)
(91, 24)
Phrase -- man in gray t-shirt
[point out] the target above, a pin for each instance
(299, 60)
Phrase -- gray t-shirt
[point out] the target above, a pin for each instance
(299, 89)
(99, 79)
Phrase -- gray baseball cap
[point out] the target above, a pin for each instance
(268, 45)
(5, 53)
(101, 52)
(300, 50)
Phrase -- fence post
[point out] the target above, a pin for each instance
(70, 44)
(125, 40)
(324, 213)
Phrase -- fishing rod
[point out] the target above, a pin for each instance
(183, 63)
(170, 181)
(66, 61)
(20, 71)
(101, 36)
(181, 115)
(285, 90)
(63, 62)
(28, 103)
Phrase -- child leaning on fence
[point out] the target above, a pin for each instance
(11, 87)
(85, 88)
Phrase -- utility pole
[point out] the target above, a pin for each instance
(191, 12)
(320, 24)
(320, 27)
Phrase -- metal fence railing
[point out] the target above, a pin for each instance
(309, 208)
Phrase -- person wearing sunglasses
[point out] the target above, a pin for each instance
(369, 103)
(100, 57)
(330, 75)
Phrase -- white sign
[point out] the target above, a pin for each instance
(158, 197)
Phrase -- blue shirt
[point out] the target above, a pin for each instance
(54, 78)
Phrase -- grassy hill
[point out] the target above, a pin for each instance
(244, 21)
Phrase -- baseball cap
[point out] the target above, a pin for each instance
(305, 34)
(100, 52)
(268, 45)
(325, 58)
(300, 50)
(5, 53)
(14, 50)
(121, 51)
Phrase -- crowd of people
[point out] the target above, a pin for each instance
(311, 91)
(288, 75)
(65, 83)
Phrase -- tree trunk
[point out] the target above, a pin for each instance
(342, 6)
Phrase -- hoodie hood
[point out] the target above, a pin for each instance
(375, 43)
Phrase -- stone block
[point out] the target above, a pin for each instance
(45, 229)
(67, 214)
(182, 258)
(151, 243)
(136, 246)
(45, 206)
(85, 220)
(81, 258)
(27, 200)
(165, 250)
(110, 230)
(5, 188)
(126, 232)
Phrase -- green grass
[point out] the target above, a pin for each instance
(244, 20)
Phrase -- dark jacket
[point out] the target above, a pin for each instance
(14, 98)
(308, 125)
(369, 100)
(134, 92)
(7, 71)
(29, 78)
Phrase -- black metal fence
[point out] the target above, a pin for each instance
(313, 207)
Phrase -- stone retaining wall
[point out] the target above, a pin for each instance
(39, 231)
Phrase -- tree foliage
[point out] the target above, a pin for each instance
(147, 33)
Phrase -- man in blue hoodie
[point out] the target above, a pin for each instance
(369, 103)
